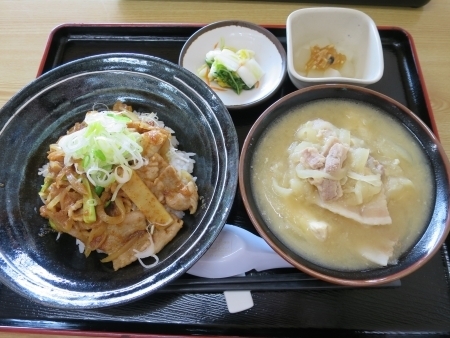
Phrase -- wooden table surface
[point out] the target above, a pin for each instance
(25, 26)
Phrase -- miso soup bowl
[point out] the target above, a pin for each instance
(436, 228)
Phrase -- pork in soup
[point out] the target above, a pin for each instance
(342, 184)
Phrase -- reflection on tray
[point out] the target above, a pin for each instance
(270, 280)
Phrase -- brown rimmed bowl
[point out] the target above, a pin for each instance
(434, 232)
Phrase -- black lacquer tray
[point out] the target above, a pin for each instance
(287, 302)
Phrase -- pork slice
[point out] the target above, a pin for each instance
(150, 172)
(335, 158)
(153, 140)
(160, 238)
(163, 236)
(375, 212)
(178, 194)
(119, 234)
(129, 256)
(329, 189)
(311, 158)
(329, 142)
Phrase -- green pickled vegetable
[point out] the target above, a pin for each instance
(229, 79)
(229, 69)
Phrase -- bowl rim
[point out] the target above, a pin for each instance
(243, 185)
(214, 220)
(250, 25)
(295, 15)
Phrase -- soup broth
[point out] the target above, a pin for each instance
(342, 184)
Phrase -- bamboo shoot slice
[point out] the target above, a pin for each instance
(146, 201)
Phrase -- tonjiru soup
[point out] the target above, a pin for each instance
(342, 184)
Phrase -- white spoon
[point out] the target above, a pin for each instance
(234, 252)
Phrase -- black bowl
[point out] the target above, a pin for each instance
(435, 231)
(53, 272)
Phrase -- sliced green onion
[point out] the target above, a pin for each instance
(105, 143)
(119, 117)
(86, 161)
(99, 154)
(89, 215)
(99, 190)
(52, 224)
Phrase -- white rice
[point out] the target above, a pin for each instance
(43, 170)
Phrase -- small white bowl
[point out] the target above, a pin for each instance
(269, 53)
(352, 32)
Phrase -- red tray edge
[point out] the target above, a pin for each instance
(91, 334)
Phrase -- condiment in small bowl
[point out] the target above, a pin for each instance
(333, 45)
(233, 35)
